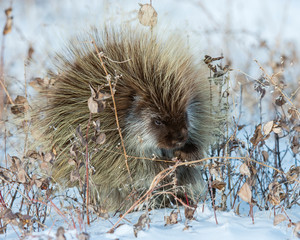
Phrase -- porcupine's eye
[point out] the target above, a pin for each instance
(158, 122)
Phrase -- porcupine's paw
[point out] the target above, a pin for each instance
(189, 178)
(188, 152)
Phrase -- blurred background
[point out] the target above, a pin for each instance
(241, 31)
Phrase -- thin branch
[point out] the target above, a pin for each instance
(115, 107)
(87, 170)
(276, 86)
(7, 94)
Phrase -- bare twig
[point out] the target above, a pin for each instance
(157, 179)
(212, 198)
(87, 171)
(6, 92)
(271, 79)
(115, 107)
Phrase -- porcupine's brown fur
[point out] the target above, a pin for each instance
(162, 101)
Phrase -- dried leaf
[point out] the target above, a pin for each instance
(83, 236)
(245, 193)
(276, 194)
(96, 102)
(72, 162)
(209, 59)
(214, 171)
(292, 178)
(93, 91)
(218, 184)
(240, 127)
(187, 227)
(48, 157)
(285, 126)
(20, 100)
(277, 130)
(189, 213)
(60, 234)
(24, 219)
(44, 165)
(30, 53)
(21, 105)
(268, 127)
(167, 220)
(252, 180)
(24, 216)
(8, 25)
(143, 220)
(297, 230)
(97, 125)
(295, 149)
(8, 12)
(280, 101)
(33, 154)
(278, 219)
(101, 96)
(4, 175)
(273, 186)
(101, 138)
(244, 170)
(15, 162)
(45, 184)
(172, 219)
(295, 144)
(54, 151)
(257, 137)
(8, 215)
(265, 155)
(42, 83)
(235, 143)
(147, 15)
(101, 212)
(80, 136)
(253, 170)
(296, 128)
(22, 176)
(38, 182)
(293, 114)
(74, 176)
(237, 210)
(73, 150)
(93, 106)
(260, 86)
(293, 174)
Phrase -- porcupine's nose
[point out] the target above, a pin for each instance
(180, 137)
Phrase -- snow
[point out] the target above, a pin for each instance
(47, 24)
(230, 226)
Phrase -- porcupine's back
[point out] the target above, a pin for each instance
(156, 71)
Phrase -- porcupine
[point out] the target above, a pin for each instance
(163, 104)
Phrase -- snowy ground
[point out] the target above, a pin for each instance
(46, 24)
(230, 227)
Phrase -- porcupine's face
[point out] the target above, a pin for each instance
(170, 132)
(156, 127)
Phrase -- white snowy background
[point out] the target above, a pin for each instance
(234, 28)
